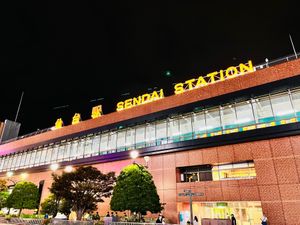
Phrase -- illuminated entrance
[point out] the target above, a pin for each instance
(246, 213)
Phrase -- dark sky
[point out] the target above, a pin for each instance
(69, 54)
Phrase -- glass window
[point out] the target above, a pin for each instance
(13, 161)
(67, 151)
(73, 150)
(213, 123)
(43, 156)
(263, 110)
(49, 155)
(88, 146)
(96, 145)
(1, 163)
(121, 140)
(112, 141)
(104, 143)
(80, 148)
(234, 171)
(38, 157)
(5, 163)
(282, 106)
(173, 130)
(10, 160)
(150, 134)
(186, 127)
(28, 156)
(54, 153)
(244, 114)
(161, 132)
(32, 158)
(140, 136)
(130, 138)
(228, 117)
(61, 151)
(296, 101)
(199, 126)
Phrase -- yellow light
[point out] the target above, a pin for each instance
(68, 169)
(9, 174)
(54, 167)
(24, 176)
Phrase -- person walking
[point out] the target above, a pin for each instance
(233, 220)
(264, 220)
(159, 219)
(195, 221)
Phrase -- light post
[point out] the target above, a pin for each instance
(147, 159)
(134, 154)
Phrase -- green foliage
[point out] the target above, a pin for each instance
(3, 198)
(135, 191)
(83, 188)
(32, 216)
(3, 185)
(25, 195)
(50, 205)
(65, 207)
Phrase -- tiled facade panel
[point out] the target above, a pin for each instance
(277, 186)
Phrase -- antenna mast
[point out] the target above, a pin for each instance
(19, 106)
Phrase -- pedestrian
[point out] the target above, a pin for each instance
(97, 216)
(107, 214)
(264, 220)
(46, 216)
(159, 219)
(233, 220)
(195, 221)
(125, 217)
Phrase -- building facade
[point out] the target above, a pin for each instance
(235, 141)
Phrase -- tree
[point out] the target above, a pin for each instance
(3, 198)
(65, 207)
(50, 206)
(3, 185)
(135, 191)
(25, 195)
(84, 188)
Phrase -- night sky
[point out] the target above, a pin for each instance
(68, 57)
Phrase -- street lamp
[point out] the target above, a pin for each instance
(146, 158)
(134, 154)
(9, 173)
(54, 167)
(68, 169)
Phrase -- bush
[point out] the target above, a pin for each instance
(2, 213)
(32, 216)
(8, 217)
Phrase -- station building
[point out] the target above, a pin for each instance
(233, 137)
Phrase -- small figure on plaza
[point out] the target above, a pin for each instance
(159, 218)
(233, 220)
(195, 221)
(107, 214)
(264, 220)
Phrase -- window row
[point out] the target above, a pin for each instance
(256, 113)
(233, 171)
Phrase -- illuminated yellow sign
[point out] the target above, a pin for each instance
(76, 118)
(59, 123)
(96, 111)
(142, 99)
(201, 81)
